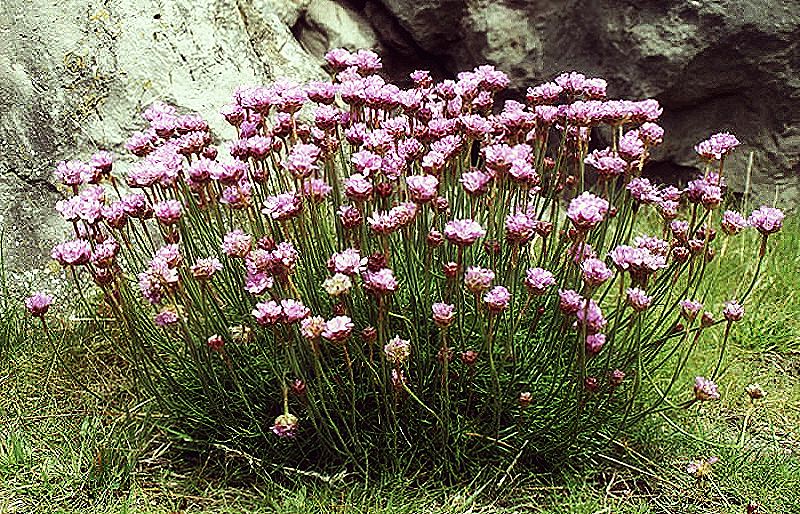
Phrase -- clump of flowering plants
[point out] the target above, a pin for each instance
(380, 276)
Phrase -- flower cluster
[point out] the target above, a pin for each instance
(356, 236)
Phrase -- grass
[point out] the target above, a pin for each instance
(64, 450)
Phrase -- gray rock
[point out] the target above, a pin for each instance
(326, 24)
(714, 65)
(74, 77)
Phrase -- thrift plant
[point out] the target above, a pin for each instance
(385, 277)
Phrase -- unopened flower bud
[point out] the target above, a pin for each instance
(441, 204)
(450, 269)
(681, 254)
(469, 357)
(215, 343)
(369, 334)
(491, 247)
(385, 189)
(755, 391)
(376, 262)
(435, 238)
(298, 387)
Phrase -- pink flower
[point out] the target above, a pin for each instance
(166, 317)
(72, 253)
(631, 146)
(642, 190)
(606, 163)
(73, 173)
(204, 269)
(283, 206)
(237, 244)
(733, 223)
(537, 280)
(104, 253)
(312, 327)
(705, 389)
(293, 310)
(443, 314)
(690, 309)
(463, 232)
(591, 317)
(349, 216)
(38, 304)
(497, 299)
(475, 182)
(595, 272)
(422, 188)
(215, 343)
(302, 159)
(733, 311)
(519, 227)
(167, 212)
(316, 189)
(546, 93)
(587, 210)
(595, 343)
(478, 279)
(338, 329)
(638, 299)
(348, 262)
(268, 313)
(717, 146)
(381, 281)
(766, 220)
(366, 163)
(285, 426)
(569, 301)
(357, 187)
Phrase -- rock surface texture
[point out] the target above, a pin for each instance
(75, 74)
(714, 65)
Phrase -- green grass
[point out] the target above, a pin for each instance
(64, 450)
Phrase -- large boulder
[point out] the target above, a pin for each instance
(714, 65)
(74, 77)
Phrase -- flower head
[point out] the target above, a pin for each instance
(717, 146)
(701, 468)
(443, 314)
(497, 299)
(537, 280)
(204, 269)
(312, 327)
(478, 279)
(595, 272)
(638, 299)
(733, 222)
(705, 389)
(595, 343)
(38, 304)
(337, 285)
(587, 210)
(397, 350)
(338, 329)
(463, 232)
(766, 220)
(285, 425)
(690, 309)
(422, 188)
(733, 311)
